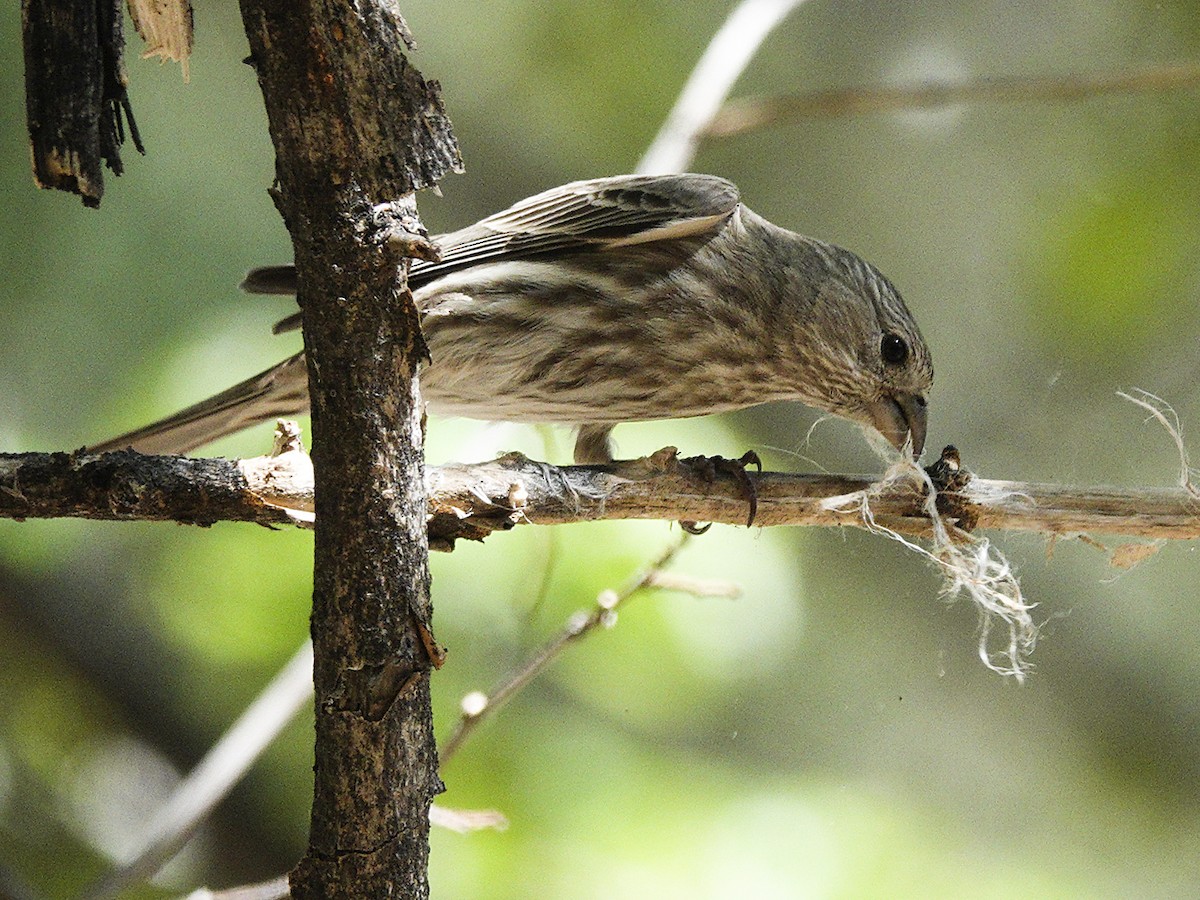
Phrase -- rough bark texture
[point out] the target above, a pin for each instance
(75, 93)
(129, 486)
(356, 131)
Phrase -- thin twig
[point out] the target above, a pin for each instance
(723, 61)
(694, 585)
(753, 113)
(478, 706)
(549, 563)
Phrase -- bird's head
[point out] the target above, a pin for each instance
(877, 367)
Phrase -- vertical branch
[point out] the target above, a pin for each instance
(356, 131)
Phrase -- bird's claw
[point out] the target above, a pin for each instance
(708, 467)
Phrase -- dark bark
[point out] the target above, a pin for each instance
(75, 94)
(129, 486)
(356, 131)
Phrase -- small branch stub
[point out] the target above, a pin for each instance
(166, 27)
(283, 478)
(402, 231)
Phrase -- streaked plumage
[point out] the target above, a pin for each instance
(623, 299)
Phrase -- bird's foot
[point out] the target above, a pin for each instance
(709, 467)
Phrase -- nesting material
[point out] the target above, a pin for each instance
(1163, 413)
(969, 565)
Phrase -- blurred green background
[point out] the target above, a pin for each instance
(831, 733)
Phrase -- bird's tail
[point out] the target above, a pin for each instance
(281, 390)
(270, 280)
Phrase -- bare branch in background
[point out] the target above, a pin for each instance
(754, 113)
(476, 707)
(275, 889)
(723, 61)
(222, 767)
(225, 764)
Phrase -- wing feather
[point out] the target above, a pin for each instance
(596, 214)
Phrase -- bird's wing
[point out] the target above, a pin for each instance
(597, 214)
(604, 212)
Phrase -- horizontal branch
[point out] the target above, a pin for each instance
(752, 113)
(128, 486)
(513, 489)
(472, 500)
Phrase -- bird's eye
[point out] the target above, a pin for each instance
(894, 349)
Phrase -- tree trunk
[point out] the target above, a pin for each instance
(356, 131)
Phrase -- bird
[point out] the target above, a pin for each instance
(620, 299)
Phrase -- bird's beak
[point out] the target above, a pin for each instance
(899, 416)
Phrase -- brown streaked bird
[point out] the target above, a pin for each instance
(625, 299)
